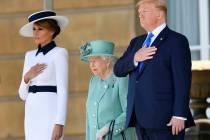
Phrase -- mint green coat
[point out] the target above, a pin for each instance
(107, 101)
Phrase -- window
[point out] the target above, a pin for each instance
(195, 54)
(209, 19)
(183, 16)
(191, 18)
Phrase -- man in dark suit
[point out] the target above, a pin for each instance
(159, 69)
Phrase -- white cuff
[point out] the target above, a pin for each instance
(181, 118)
(135, 63)
(23, 90)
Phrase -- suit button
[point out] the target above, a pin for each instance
(105, 86)
(137, 81)
(93, 115)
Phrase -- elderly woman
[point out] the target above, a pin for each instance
(107, 95)
(44, 85)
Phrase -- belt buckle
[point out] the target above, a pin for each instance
(34, 89)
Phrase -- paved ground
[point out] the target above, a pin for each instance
(75, 138)
(66, 138)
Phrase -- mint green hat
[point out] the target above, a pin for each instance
(96, 48)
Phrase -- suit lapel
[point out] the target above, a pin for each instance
(161, 37)
(157, 42)
(106, 85)
(140, 43)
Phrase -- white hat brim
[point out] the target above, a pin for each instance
(27, 29)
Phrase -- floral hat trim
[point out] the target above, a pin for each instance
(85, 50)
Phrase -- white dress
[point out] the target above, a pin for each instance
(45, 109)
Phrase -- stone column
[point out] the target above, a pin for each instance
(48, 5)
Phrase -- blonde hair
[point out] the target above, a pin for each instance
(159, 4)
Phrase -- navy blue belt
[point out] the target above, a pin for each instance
(35, 89)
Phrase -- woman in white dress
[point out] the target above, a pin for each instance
(44, 85)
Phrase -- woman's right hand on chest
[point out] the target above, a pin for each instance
(34, 71)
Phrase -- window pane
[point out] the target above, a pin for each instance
(195, 55)
(183, 17)
(209, 57)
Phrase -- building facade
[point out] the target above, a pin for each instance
(115, 20)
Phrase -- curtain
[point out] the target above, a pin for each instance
(183, 17)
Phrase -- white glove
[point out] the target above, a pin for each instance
(101, 133)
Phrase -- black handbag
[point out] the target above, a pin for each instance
(111, 129)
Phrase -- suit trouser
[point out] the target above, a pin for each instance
(156, 134)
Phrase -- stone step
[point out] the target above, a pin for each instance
(79, 137)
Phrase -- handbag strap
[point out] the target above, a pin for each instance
(123, 135)
(111, 129)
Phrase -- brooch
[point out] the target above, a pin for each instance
(113, 82)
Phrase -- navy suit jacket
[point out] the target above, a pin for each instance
(161, 90)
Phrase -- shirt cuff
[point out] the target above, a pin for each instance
(181, 118)
(135, 63)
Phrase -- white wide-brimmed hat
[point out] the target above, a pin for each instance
(27, 29)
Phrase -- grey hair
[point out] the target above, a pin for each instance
(110, 59)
